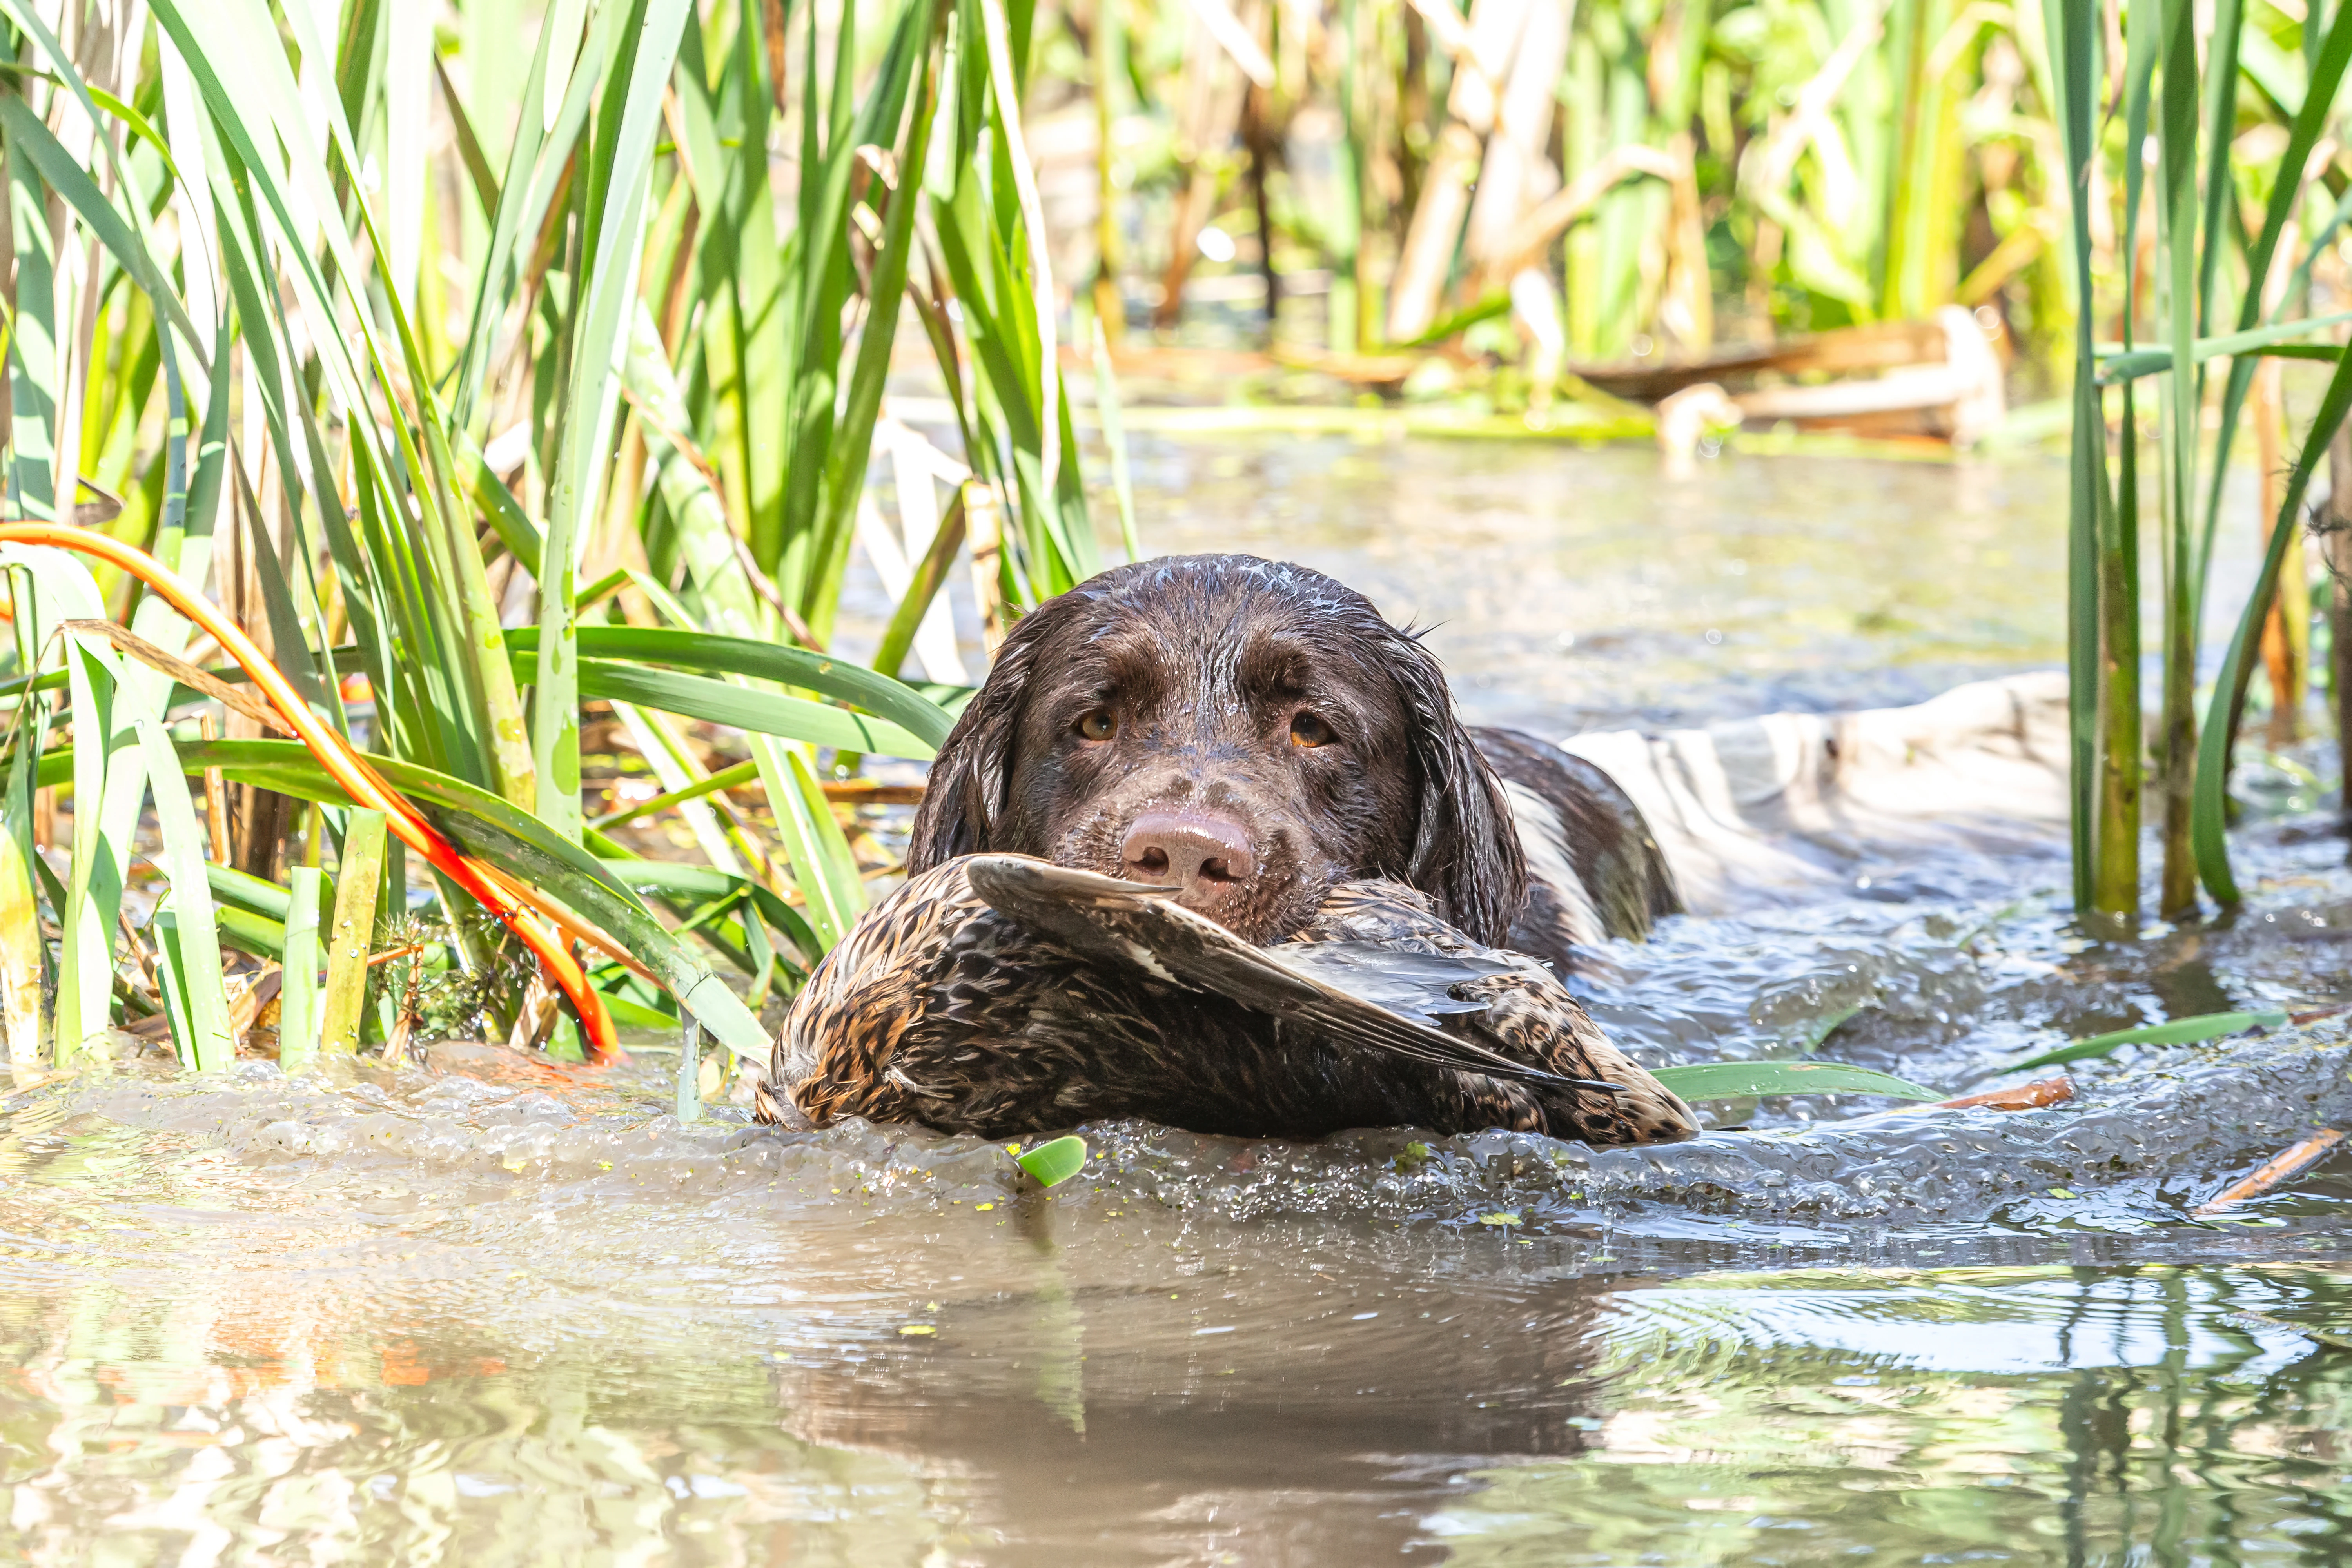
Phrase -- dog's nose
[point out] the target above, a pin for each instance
(1207, 857)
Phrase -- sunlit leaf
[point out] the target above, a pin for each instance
(1734, 1080)
(1053, 1163)
(2176, 1032)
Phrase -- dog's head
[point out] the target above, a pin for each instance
(1250, 733)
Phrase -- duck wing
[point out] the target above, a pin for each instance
(1358, 993)
(1419, 985)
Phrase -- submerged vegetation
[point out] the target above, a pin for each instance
(436, 440)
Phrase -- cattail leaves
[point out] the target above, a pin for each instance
(2189, 83)
(188, 945)
(23, 953)
(619, 168)
(2210, 825)
(687, 373)
(925, 721)
(353, 934)
(2175, 1031)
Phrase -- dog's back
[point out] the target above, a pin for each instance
(1594, 872)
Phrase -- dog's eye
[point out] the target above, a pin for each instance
(1098, 724)
(1306, 729)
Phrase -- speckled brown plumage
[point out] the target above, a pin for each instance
(940, 1009)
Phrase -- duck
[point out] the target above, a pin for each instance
(1003, 995)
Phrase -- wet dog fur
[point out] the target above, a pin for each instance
(1280, 708)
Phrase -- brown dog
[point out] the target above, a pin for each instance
(1254, 737)
(1255, 733)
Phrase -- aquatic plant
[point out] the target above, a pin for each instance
(447, 445)
(497, 379)
(2220, 280)
(1738, 1081)
(2172, 1032)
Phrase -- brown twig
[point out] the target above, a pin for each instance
(2035, 1095)
(243, 1011)
(2280, 1168)
(866, 791)
(180, 670)
(985, 530)
(765, 587)
(2041, 1092)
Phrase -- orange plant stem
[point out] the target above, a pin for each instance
(351, 773)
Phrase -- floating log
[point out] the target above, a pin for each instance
(1939, 377)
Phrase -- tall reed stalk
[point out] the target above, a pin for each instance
(2207, 262)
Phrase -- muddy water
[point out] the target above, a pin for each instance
(489, 1310)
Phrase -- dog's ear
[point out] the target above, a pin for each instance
(965, 794)
(1466, 850)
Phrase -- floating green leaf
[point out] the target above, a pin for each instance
(2179, 1032)
(1056, 1162)
(1733, 1080)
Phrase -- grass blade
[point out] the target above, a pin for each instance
(822, 862)
(24, 952)
(524, 847)
(299, 1012)
(2333, 56)
(907, 620)
(625, 138)
(2209, 821)
(200, 1018)
(1735, 1080)
(885, 698)
(2176, 1032)
(357, 884)
(740, 707)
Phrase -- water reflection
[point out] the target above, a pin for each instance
(2078, 1416)
(1285, 1394)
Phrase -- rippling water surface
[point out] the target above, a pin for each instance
(492, 1311)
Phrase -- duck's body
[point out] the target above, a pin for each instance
(942, 1010)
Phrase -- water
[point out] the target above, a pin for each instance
(499, 1311)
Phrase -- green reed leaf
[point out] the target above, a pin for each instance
(200, 1018)
(1735, 1081)
(741, 706)
(822, 862)
(298, 997)
(906, 708)
(2176, 1032)
(2209, 815)
(520, 845)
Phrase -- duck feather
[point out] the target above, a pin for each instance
(1139, 924)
